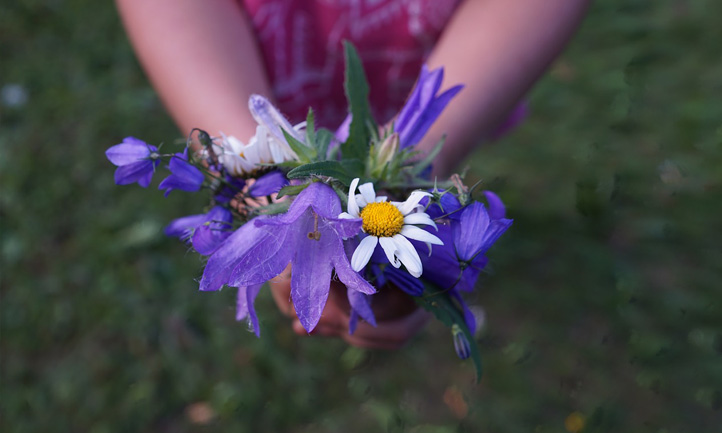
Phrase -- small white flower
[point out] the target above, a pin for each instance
(390, 224)
(267, 146)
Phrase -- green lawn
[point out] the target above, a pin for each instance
(604, 300)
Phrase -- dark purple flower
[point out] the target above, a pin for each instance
(136, 161)
(309, 236)
(423, 106)
(476, 231)
(269, 183)
(184, 176)
(206, 231)
(467, 235)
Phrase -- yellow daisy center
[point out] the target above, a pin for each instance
(382, 219)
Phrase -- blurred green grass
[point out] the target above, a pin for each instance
(602, 301)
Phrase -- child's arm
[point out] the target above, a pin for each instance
(498, 49)
(202, 59)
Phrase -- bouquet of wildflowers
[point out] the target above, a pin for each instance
(356, 205)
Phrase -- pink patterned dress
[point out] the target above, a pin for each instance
(301, 45)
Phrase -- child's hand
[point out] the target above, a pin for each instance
(397, 316)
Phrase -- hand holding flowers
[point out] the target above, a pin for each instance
(297, 196)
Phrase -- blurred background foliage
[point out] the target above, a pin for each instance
(603, 302)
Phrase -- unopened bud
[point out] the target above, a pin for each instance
(388, 149)
(461, 343)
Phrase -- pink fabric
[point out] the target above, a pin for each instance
(301, 44)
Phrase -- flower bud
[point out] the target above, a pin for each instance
(388, 149)
(461, 343)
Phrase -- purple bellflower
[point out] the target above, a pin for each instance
(184, 176)
(423, 106)
(136, 161)
(206, 232)
(310, 237)
(477, 230)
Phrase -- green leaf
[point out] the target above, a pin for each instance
(323, 139)
(357, 93)
(446, 309)
(304, 153)
(310, 130)
(343, 171)
(291, 190)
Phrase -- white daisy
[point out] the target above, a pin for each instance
(390, 224)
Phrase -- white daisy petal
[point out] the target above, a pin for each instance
(361, 201)
(346, 216)
(419, 218)
(413, 232)
(408, 256)
(380, 198)
(391, 251)
(363, 252)
(352, 205)
(367, 190)
(413, 200)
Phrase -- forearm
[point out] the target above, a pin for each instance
(202, 59)
(512, 43)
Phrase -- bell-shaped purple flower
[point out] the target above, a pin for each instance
(477, 231)
(184, 176)
(423, 107)
(205, 231)
(136, 161)
(309, 236)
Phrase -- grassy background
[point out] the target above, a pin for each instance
(604, 302)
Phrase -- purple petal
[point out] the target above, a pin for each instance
(496, 206)
(361, 305)
(469, 233)
(267, 115)
(412, 135)
(244, 306)
(321, 197)
(183, 227)
(184, 177)
(144, 180)
(449, 204)
(342, 132)
(265, 259)
(404, 281)
(311, 274)
(268, 184)
(131, 150)
(413, 103)
(135, 172)
(214, 230)
(352, 279)
(222, 263)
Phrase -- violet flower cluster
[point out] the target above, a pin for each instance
(353, 206)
